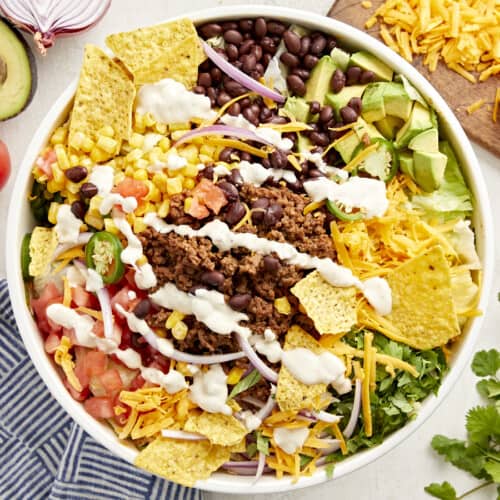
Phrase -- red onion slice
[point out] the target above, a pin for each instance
(187, 436)
(253, 401)
(239, 76)
(241, 133)
(244, 467)
(259, 365)
(208, 359)
(107, 314)
(260, 467)
(356, 407)
(266, 410)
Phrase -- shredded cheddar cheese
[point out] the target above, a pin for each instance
(63, 358)
(365, 390)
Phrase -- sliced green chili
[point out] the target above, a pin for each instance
(337, 212)
(25, 256)
(103, 254)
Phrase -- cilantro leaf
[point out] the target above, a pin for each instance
(304, 460)
(251, 449)
(486, 363)
(445, 491)
(489, 388)
(262, 443)
(493, 469)
(329, 470)
(244, 384)
(483, 424)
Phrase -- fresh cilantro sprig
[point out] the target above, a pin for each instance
(480, 453)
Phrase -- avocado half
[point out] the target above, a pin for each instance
(17, 72)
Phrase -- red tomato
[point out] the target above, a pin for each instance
(132, 187)
(111, 381)
(79, 396)
(81, 297)
(197, 209)
(50, 295)
(95, 363)
(4, 164)
(137, 383)
(44, 163)
(51, 343)
(100, 407)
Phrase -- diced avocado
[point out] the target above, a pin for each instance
(428, 141)
(396, 100)
(339, 100)
(381, 163)
(406, 163)
(389, 126)
(340, 58)
(17, 73)
(346, 146)
(303, 143)
(363, 128)
(369, 62)
(298, 108)
(373, 107)
(420, 120)
(429, 169)
(318, 84)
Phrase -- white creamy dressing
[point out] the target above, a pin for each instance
(322, 166)
(209, 390)
(208, 307)
(224, 239)
(151, 140)
(378, 293)
(250, 420)
(310, 368)
(267, 345)
(67, 225)
(74, 276)
(290, 440)
(93, 281)
(170, 102)
(462, 240)
(369, 195)
(256, 174)
(83, 325)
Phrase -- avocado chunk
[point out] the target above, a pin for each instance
(298, 108)
(340, 58)
(339, 100)
(363, 129)
(318, 84)
(303, 143)
(406, 164)
(389, 126)
(369, 62)
(428, 141)
(420, 120)
(429, 169)
(373, 106)
(16, 73)
(386, 99)
(346, 146)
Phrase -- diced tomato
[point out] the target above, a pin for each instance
(5, 165)
(111, 381)
(137, 383)
(210, 195)
(78, 396)
(132, 187)
(197, 209)
(44, 163)
(160, 362)
(122, 418)
(122, 298)
(95, 363)
(81, 297)
(50, 295)
(100, 407)
(98, 328)
(51, 343)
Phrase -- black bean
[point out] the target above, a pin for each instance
(244, 156)
(268, 45)
(249, 61)
(259, 68)
(338, 81)
(232, 51)
(314, 107)
(240, 301)
(356, 104)
(255, 108)
(348, 114)
(246, 25)
(234, 37)
(303, 73)
(76, 174)
(208, 172)
(222, 53)
(353, 74)
(295, 186)
(260, 27)
(142, 308)
(367, 77)
(249, 114)
(244, 103)
(279, 120)
(310, 61)
(234, 89)
(205, 65)
(257, 52)
(199, 89)
(236, 177)
(216, 75)
(292, 42)
(223, 98)
(229, 25)
(259, 208)
(195, 288)
(319, 138)
(78, 208)
(318, 44)
(211, 30)
(265, 114)
(276, 28)
(238, 64)
(266, 59)
(212, 278)
(88, 190)
(273, 214)
(204, 79)
(234, 213)
(234, 109)
(326, 114)
(229, 190)
(212, 95)
(296, 85)
(278, 159)
(271, 264)
(315, 173)
(225, 154)
(246, 46)
(305, 45)
(289, 60)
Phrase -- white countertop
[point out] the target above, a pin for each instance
(403, 472)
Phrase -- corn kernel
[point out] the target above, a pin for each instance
(77, 140)
(58, 174)
(149, 120)
(282, 305)
(190, 153)
(87, 144)
(72, 187)
(188, 183)
(109, 225)
(99, 155)
(86, 162)
(187, 204)
(234, 375)
(160, 181)
(137, 140)
(206, 159)
(59, 136)
(172, 127)
(53, 186)
(107, 144)
(160, 332)
(94, 221)
(161, 128)
(164, 208)
(106, 131)
(190, 170)
(174, 185)
(62, 157)
(207, 150)
(118, 177)
(183, 368)
(141, 174)
(180, 330)
(173, 319)
(74, 160)
(164, 144)
(141, 163)
(72, 197)
(139, 225)
(145, 208)
(129, 171)
(94, 204)
(142, 260)
(177, 134)
(134, 155)
(52, 214)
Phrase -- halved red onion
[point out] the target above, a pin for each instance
(52, 18)
(107, 314)
(241, 133)
(266, 410)
(259, 365)
(238, 75)
(324, 416)
(83, 239)
(245, 467)
(253, 401)
(260, 467)
(177, 434)
(205, 359)
(356, 407)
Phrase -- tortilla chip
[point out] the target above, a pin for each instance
(42, 246)
(332, 309)
(169, 50)
(292, 395)
(422, 302)
(224, 430)
(183, 462)
(105, 96)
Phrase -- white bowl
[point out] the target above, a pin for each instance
(20, 222)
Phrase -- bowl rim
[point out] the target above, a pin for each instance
(483, 222)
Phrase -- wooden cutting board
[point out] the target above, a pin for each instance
(457, 91)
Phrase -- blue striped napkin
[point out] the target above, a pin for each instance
(43, 453)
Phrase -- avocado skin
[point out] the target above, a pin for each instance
(32, 64)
